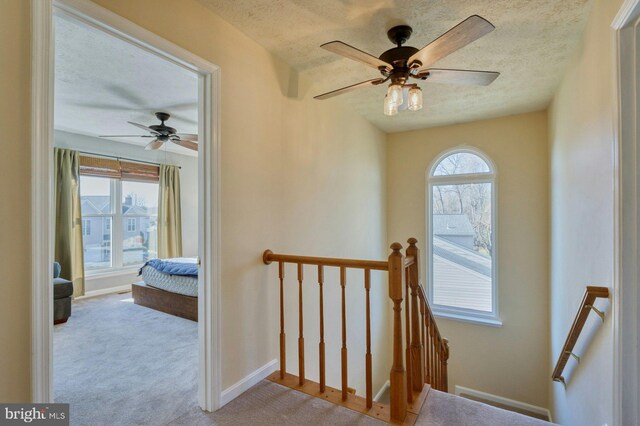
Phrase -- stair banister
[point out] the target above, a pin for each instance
(419, 353)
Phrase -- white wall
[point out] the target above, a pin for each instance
(189, 193)
(582, 212)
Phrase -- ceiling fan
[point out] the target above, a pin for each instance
(161, 134)
(402, 63)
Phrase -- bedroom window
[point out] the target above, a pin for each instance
(126, 212)
(461, 224)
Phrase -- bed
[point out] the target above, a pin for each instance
(170, 286)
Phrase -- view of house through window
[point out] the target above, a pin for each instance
(119, 222)
(462, 278)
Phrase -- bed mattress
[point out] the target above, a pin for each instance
(179, 284)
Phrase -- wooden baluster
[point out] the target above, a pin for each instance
(437, 359)
(407, 332)
(343, 283)
(428, 347)
(368, 366)
(433, 355)
(300, 325)
(416, 346)
(398, 400)
(283, 345)
(423, 336)
(445, 359)
(321, 345)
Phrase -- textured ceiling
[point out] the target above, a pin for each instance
(530, 47)
(102, 82)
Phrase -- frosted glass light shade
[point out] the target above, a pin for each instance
(415, 98)
(394, 93)
(390, 108)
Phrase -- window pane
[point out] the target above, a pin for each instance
(95, 195)
(462, 249)
(461, 163)
(140, 208)
(140, 239)
(139, 198)
(96, 241)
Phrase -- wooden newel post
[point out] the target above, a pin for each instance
(417, 355)
(398, 379)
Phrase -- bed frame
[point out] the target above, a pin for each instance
(165, 301)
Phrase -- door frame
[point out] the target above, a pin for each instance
(209, 243)
(626, 302)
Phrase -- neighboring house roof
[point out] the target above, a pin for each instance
(137, 210)
(452, 224)
(462, 277)
(99, 204)
(462, 256)
(95, 204)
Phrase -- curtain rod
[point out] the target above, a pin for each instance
(121, 158)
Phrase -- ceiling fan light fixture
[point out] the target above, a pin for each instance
(394, 93)
(415, 98)
(390, 108)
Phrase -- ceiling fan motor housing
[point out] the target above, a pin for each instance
(397, 57)
(161, 128)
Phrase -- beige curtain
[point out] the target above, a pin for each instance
(68, 239)
(169, 216)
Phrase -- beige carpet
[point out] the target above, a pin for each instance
(271, 404)
(118, 363)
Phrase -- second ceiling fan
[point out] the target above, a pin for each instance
(162, 133)
(402, 63)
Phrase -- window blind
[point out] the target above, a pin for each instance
(118, 169)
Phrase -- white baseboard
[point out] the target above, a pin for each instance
(235, 390)
(103, 291)
(382, 390)
(504, 401)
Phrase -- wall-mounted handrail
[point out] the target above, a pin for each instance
(586, 306)
(419, 353)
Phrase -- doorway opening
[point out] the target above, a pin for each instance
(133, 210)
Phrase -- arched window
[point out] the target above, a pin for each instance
(461, 227)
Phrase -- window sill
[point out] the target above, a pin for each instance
(492, 322)
(105, 273)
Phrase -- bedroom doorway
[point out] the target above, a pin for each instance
(153, 210)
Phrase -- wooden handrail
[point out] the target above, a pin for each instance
(419, 353)
(268, 256)
(590, 296)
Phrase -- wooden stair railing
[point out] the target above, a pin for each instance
(422, 348)
(586, 306)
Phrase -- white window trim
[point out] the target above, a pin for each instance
(461, 314)
(117, 233)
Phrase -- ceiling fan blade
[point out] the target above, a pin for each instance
(188, 136)
(154, 144)
(126, 136)
(456, 38)
(463, 77)
(143, 127)
(351, 52)
(337, 92)
(186, 144)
